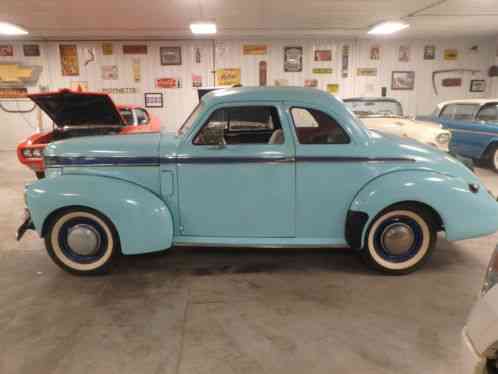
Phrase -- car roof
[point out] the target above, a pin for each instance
(300, 94)
(468, 101)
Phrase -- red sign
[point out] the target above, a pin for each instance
(167, 83)
(452, 82)
(135, 49)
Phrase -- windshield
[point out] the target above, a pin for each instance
(187, 125)
(367, 108)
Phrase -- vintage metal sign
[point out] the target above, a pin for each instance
(171, 55)
(6, 50)
(13, 93)
(228, 77)
(135, 68)
(263, 73)
(366, 72)
(322, 71)
(140, 49)
(31, 50)
(107, 49)
(18, 75)
(311, 83)
(153, 99)
(79, 86)
(120, 91)
(332, 88)
(293, 59)
(451, 54)
(110, 72)
(323, 55)
(345, 61)
(196, 80)
(375, 52)
(69, 59)
(451, 82)
(168, 83)
(255, 49)
(429, 52)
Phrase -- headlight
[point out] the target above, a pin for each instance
(37, 153)
(491, 277)
(27, 153)
(443, 138)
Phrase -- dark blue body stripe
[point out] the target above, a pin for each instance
(155, 161)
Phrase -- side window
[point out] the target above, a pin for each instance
(316, 127)
(127, 115)
(142, 116)
(464, 112)
(447, 112)
(488, 113)
(242, 125)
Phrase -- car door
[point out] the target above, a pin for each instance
(471, 136)
(330, 170)
(236, 174)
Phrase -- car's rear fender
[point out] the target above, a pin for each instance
(461, 213)
(142, 219)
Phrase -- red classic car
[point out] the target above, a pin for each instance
(69, 113)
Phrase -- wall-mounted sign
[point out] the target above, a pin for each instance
(135, 68)
(228, 77)
(107, 49)
(18, 75)
(196, 80)
(375, 52)
(332, 88)
(254, 49)
(477, 85)
(69, 59)
(171, 55)
(81, 86)
(197, 55)
(322, 71)
(311, 83)
(293, 59)
(135, 49)
(404, 53)
(281, 82)
(429, 52)
(119, 91)
(366, 72)
(451, 54)
(110, 72)
(263, 73)
(323, 55)
(153, 100)
(168, 83)
(13, 93)
(6, 50)
(403, 80)
(345, 61)
(451, 82)
(31, 50)
(89, 55)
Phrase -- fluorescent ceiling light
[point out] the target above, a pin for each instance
(385, 28)
(10, 29)
(203, 28)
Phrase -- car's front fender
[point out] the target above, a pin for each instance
(464, 214)
(142, 219)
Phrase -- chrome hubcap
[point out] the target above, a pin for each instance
(398, 238)
(83, 240)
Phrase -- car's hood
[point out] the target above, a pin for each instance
(68, 108)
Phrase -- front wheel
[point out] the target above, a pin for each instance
(82, 241)
(400, 240)
(494, 158)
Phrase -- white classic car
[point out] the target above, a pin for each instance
(480, 334)
(386, 115)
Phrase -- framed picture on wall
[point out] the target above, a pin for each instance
(477, 85)
(171, 55)
(403, 80)
(153, 100)
(429, 52)
(293, 59)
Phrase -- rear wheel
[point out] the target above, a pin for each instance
(494, 158)
(400, 239)
(82, 241)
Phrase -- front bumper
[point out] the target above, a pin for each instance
(470, 361)
(25, 226)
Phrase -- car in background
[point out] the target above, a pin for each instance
(479, 352)
(66, 109)
(474, 125)
(254, 167)
(386, 115)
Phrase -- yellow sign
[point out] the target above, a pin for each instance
(451, 54)
(255, 49)
(107, 49)
(333, 88)
(366, 72)
(322, 71)
(227, 77)
(15, 74)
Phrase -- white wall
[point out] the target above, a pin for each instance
(228, 53)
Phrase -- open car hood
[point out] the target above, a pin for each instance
(71, 109)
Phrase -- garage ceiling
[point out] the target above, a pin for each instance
(110, 19)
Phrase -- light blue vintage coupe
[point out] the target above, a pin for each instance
(254, 167)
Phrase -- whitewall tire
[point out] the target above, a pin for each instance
(400, 239)
(494, 158)
(82, 241)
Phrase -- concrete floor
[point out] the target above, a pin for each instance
(230, 311)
